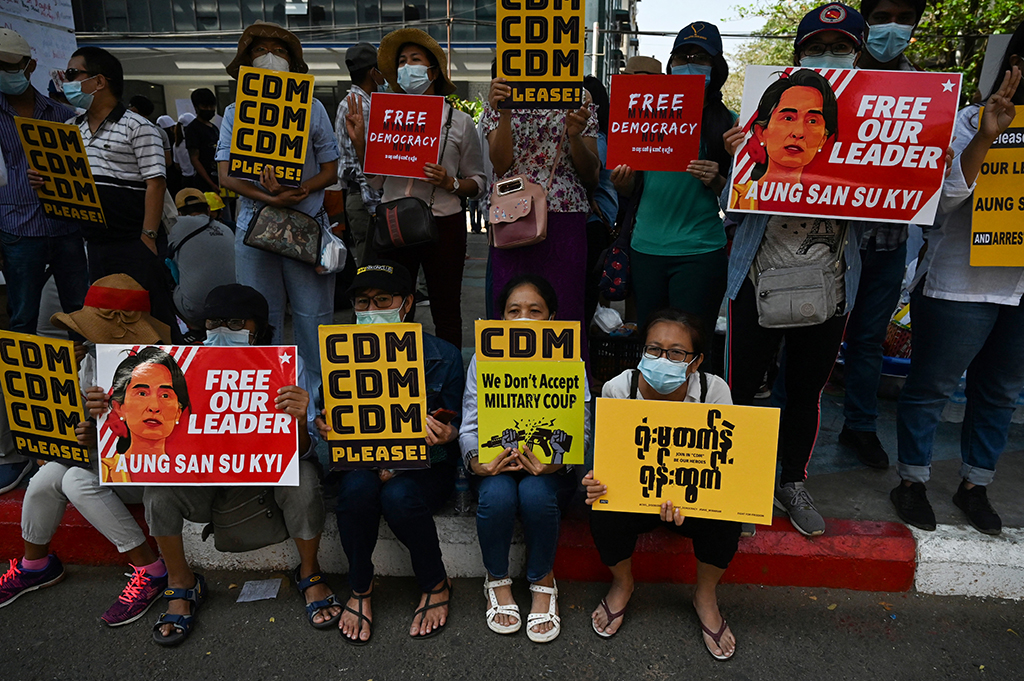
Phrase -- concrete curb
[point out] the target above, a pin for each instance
(960, 561)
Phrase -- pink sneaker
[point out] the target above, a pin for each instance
(17, 580)
(139, 595)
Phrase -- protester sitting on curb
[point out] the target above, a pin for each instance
(965, 319)
(302, 507)
(674, 347)
(516, 482)
(116, 311)
(382, 293)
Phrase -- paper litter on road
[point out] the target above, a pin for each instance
(259, 590)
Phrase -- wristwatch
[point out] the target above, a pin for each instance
(151, 233)
(455, 185)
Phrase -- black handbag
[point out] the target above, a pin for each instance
(408, 221)
(286, 232)
(245, 519)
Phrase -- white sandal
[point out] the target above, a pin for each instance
(495, 609)
(535, 618)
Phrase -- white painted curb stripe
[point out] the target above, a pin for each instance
(960, 561)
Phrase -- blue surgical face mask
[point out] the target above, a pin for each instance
(223, 337)
(664, 376)
(75, 96)
(13, 83)
(693, 70)
(887, 41)
(413, 78)
(829, 61)
(379, 316)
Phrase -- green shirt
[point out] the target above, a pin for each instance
(678, 215)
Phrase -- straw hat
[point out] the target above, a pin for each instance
(265, 29)
(116, 311)
(387, 58)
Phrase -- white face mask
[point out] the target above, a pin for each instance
(271, 62)
(413, 78)
(379, 316)
(223, 337)
(829, 61)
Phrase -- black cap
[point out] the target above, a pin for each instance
(360, 56)
(234, 301)
(385, 275)
(700, 33)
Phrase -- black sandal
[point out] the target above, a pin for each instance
(362, 618)
(422, 612)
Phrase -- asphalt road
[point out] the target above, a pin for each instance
(782, 633)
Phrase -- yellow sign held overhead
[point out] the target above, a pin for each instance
(272, 124)
(375, 395)
(710, 460)
(56, 151)
(997, 227)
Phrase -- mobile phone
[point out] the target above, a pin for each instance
(444, 415)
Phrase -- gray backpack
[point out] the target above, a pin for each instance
(245, 519)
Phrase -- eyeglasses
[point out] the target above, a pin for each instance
(835, 49)
(699, 58)
(260, 50)
(382, 301)
(233, 324)
(73, 74)
(674, 356)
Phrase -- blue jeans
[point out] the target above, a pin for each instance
(539, 500)
(281, 281)
(880, 282)
(408, 503)
(28, 263)
(949, 336)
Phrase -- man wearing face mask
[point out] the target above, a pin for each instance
(201, 137)
(883, 253)
(361, 199)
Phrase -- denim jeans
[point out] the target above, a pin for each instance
(408, 502)
(987, 340)
(28, 262)
(281, 281)
(880, 283)
(539, 500)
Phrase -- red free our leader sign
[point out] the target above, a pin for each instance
(403, 134)
(844, 143)
(229, 431)
(654, 121)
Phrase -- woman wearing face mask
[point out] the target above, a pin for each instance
(678, 245)
(413, 63)
(517, 481)
(382, 293)
(890, 26)
(669, 369)
(283, 281)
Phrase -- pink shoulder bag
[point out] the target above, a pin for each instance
(519, 209)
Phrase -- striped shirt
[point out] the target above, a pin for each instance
(21, 213)
(124, 152)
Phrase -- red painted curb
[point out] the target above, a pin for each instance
(76, 541)
(858, 555)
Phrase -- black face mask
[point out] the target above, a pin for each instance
(206, 114)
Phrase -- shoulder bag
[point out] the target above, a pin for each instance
(245, 519)
(519, 209)
(286, 232)
(408, 221)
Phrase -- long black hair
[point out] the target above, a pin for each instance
(690, 322)
(1016, 47)
(542, 285)
(772, 95)
(127, 367)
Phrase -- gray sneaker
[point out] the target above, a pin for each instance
(796, 501)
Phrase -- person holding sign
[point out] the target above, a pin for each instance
(669, 370)
(382, 293)
(283, 281)
(413, 63)
(678, 244)
(517, 482)
(112, 312)
(965, 318)
(555, 148)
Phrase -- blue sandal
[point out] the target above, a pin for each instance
(313, 608)
(182, 624)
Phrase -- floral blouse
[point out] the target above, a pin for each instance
(535, 136)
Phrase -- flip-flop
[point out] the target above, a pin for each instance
(612, 616)
(422, 612)
(717, 638)
(358, 613)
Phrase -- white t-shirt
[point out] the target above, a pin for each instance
(718, 389)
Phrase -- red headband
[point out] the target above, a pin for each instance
(107, 298)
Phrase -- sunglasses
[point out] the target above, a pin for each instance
(73, 74)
